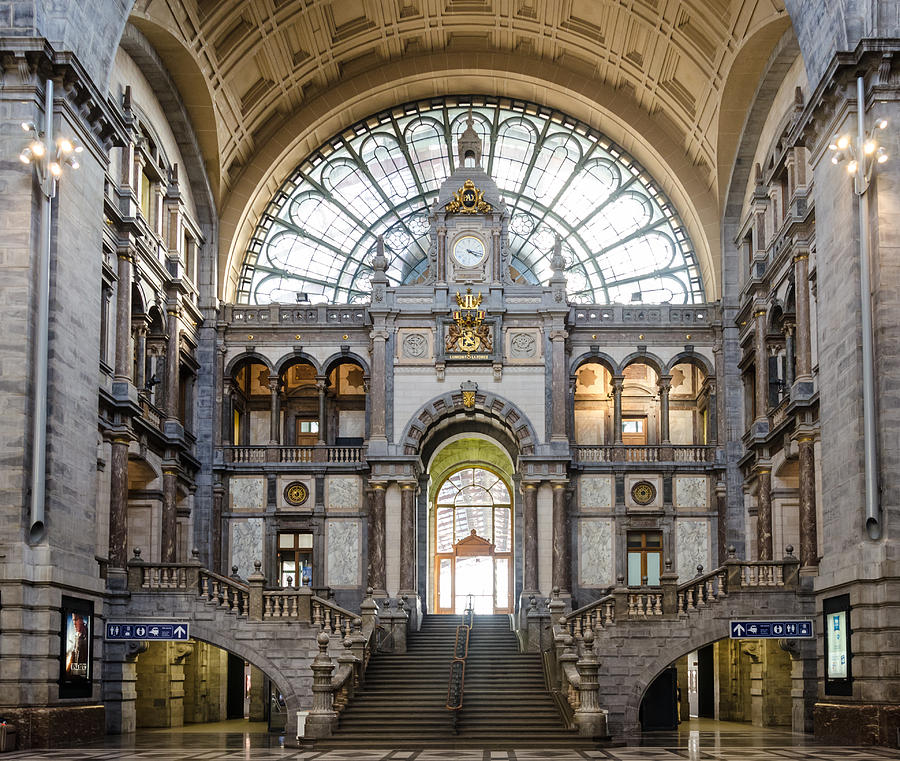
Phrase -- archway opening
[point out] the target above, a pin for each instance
(471, 528)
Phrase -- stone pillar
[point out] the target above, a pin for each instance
(618, 382)
(809, 553)
(529, 496)
(322, 718)
(665, 386)
(408, 539)
(123, 316)
(140, 377)
(118, 505)
(227, 432)
(722, 522)
(172, 348)
(377, 578)
(216, 538)
(558, 369)
(764, 513)
(168, 549)
(379, 379)
(788, 355)
(320, 387)
(274, 412)
(762, 367)
(560, 539)
(801, 296)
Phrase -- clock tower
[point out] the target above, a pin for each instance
(469, 222)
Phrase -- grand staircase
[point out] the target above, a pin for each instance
(403, 702)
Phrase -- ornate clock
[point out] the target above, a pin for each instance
(296, 493)
(469, 251)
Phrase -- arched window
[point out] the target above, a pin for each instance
(623, 240)
(473, 542)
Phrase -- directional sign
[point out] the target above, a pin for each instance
(177, 631)
(798, 629)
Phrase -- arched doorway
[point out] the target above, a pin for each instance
(473, 542)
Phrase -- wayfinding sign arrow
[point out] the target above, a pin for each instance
(170, 631)
(795, 629)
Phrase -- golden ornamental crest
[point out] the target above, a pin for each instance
(468, 334)
(468, 200)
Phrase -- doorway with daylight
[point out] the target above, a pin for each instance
(471, 529)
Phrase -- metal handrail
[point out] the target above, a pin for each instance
(457, 678)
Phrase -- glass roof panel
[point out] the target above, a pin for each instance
(622, 240)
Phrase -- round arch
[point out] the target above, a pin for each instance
(344, 357)
(600, 358)
(489, 408)
(691, 358)
(643, 358)
(295, 358)
(252, 356)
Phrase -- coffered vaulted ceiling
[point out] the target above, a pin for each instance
(263, 60)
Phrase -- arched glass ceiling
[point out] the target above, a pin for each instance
(622, 239)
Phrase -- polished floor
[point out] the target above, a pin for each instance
(697, 740)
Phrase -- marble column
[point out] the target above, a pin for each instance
(809, 546)
(105, 296)
(665, 386)
(377, 577)
(408, 539)
(220, 403)
(218, 508)
(227, 413)
(274, 411)
(140, 376)
(788, 356)
(123, 316)
(168, 549)
(561, 561)
(118, 503)
(379, 379)
(801, 296)
(320, 388)
(762, 367)
(618, 382)
(558, 369)
(764, 514)
(721, 522)
(529, 497)
(172, 349)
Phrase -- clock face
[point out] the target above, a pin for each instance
(468, 251)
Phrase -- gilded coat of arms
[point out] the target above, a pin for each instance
(468, 334)
(468, 200)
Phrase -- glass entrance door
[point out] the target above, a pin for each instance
(473, 543)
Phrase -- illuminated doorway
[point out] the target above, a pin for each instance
(473, 543)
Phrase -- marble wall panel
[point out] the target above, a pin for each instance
(343, 553)
(246, 544)
(352, 424)
(590, 426)
(596, 492)
(343, 493)
(595, 552)
(681, 426)
(247, 493)
(259, 427)
(692, 536)
(691, 491)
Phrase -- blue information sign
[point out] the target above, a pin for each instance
(802, 629)
(150, 630)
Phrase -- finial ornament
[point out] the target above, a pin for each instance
(469, 144)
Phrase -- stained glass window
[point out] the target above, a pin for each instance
(622, 239)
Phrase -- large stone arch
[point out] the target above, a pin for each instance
(692, 358)
(643, 358)
(498, 74)
(341, 357)
(598, 357)
(296, 357)
(245, 356)
(489, 408)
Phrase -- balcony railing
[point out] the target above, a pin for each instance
(653, 453)
(268, 454)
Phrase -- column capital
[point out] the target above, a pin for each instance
(530, 485)
(558, 335)
(274, 383)
(664, 382)
(559, 484)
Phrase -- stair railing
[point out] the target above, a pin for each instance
(456, 682)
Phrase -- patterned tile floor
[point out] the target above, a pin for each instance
(239, 741)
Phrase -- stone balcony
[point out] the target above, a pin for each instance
(656, 454)
(322, 454)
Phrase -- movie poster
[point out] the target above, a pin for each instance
(75, 659)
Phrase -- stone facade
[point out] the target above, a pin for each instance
(178, 420)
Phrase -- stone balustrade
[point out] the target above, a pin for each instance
(622, 453)
(242, 455)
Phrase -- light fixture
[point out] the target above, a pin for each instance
(28, 127)
(852, 166)
(25, 156)
(38, 148)
(882, 123)
(881, 155)
(843, 142)
(65, 145)
(869, 147)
